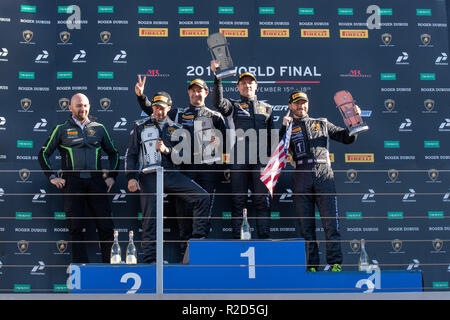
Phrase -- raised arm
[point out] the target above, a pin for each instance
(224, 106)
(142, 99)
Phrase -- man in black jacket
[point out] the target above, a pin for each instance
(250, 121)
(314, 180)
(79, 141)
(207, 131)
(151, 144)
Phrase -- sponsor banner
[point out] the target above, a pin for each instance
(396, 75)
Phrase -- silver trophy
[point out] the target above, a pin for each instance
(218, 46)
(151, 158)
(346, 105)
(203, 133)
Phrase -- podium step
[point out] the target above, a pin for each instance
(233, 266)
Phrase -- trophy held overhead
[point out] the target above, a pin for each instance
(218, 46)
(346, 105)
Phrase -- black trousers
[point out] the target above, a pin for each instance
(185, 189)
(244, 177)
(82, 204)
(205, 179)
(314, 184)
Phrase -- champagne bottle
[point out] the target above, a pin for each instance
(363, 264)
(116, 255)
(245, 227)
(131, 257)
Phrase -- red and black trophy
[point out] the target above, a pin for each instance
(346, 105)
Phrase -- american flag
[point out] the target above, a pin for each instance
(277, 162)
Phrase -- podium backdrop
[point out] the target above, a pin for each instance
(392, 183)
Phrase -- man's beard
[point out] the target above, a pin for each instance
(81, 117)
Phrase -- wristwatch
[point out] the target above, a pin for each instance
(53, 176)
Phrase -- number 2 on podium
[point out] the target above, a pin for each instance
(250, 254)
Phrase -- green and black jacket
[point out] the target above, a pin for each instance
(80, 149)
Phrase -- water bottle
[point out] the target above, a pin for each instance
(116, 255)
(245, 227)
(131, 257)
(363, 264)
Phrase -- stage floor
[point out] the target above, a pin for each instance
(441, 295)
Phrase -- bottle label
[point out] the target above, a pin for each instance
(115, 259)
(246, 236)
(131, 259)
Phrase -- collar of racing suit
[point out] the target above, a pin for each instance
(302, 119)
(195, 108)
(253, 99)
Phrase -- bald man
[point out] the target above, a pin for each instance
(80, 140)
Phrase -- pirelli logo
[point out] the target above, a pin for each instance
(274, 33)
(234, 33)
(194, 32)
(159, 98)
(315, 33)
(153, 32)
(347, 33)
(331, 155)
(359, 157)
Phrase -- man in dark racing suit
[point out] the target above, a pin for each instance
(245, 116)
(207, 131)
(314, 181)
(79, 141)
(150, 144)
